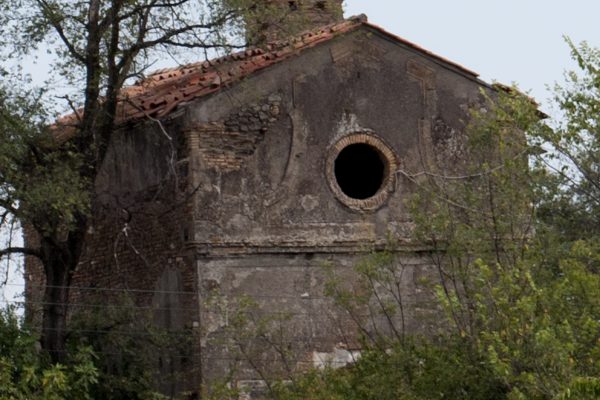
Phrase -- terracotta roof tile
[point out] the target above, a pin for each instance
(162, 91)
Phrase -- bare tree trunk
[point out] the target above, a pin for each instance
(60, 260)
(56, 297)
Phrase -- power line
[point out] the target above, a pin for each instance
(206, 309)
(302, 296)
(151, 291)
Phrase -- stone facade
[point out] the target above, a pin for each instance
(233, 204)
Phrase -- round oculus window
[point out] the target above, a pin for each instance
(360, 171)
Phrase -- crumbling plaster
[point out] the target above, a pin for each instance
(278, 198)
(265, 227)
(230, 194)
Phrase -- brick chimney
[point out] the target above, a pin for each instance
(272, 20)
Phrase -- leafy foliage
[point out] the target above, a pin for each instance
(515, 247)
(39, 181)
(130, 348)
(48, 170)
(572, 197)
(413, 370)
(26, 375)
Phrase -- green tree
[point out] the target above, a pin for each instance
(24, 374)
(128, 347)
(514, 243)
(47, 184)
(572, 201)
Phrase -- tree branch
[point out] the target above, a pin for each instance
(76, 111)
(8, 206)
(4, 217)
(50, 14)
(26, 251)
(146, 7)
(172, 33)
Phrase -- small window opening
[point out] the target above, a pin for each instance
(321, 5)
(359, 171)
(293, 5)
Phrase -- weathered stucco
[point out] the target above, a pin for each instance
(280, 197)
(266, 227)
(231, 196)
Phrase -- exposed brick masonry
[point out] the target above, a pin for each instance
(225, 145)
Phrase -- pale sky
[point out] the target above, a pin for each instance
(509, 41)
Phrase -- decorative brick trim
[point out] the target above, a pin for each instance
(390, 162)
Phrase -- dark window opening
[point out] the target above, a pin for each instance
(359, 171)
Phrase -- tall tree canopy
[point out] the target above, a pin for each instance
(99, 45)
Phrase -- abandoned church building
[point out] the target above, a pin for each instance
(244, 176)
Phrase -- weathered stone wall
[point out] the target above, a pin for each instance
(268, 219)
(278, 192)
(287, 293)
(136, 246)
(135, 267)
(233, 209)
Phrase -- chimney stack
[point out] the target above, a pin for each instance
(272, 20)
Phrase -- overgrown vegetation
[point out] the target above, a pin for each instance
(513, 235)
(27, 374)
(47, 169)
(515, 242)
(130, 350)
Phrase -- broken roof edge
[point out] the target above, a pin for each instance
(347, 25)
(300, 42)
(513, 90)
(161, 92)
(421, 49)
